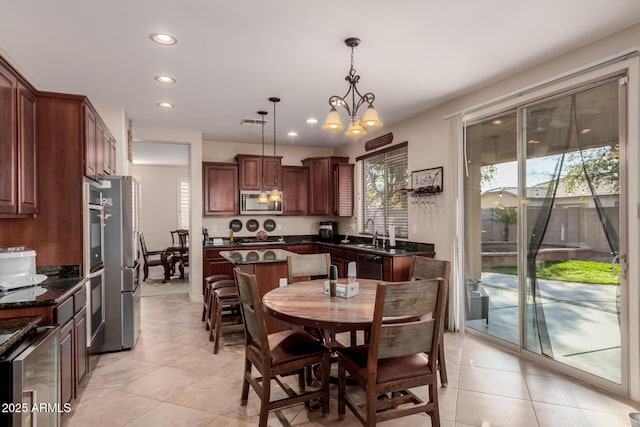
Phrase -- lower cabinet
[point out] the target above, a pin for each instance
(71, 314)
(303, 248)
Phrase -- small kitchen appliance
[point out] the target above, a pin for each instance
(18, 268)
(328, 231)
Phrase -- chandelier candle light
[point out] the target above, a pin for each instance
(263, 198)
(370, 117)
(274, 196)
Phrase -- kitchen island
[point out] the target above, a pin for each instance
(269, 266)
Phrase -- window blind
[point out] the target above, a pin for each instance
(382, 206)
(183, 203)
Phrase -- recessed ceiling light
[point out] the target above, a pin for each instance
(312, 121)
(165, 105)
(293, 133)
(585, 131)
(496, 122)
(163, 38)
(165, 79)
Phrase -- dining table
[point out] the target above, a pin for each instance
(305, 304)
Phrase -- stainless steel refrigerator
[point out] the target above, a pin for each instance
(122, 284)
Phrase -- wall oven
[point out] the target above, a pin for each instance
(94, 261)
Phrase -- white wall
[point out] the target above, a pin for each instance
(158, 202)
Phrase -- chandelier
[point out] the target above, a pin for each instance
(370, 117)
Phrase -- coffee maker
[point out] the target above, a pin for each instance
(328, 231)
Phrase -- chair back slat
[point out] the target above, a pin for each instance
(429, 268)
(405, 338)
(412, 299)
(251, 308)
(308, 266)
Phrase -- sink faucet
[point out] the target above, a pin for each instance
(374, 240)
(374, 233)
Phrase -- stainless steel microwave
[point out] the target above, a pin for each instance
(249, 204)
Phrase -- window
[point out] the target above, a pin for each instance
(381, 205)
(183, 204)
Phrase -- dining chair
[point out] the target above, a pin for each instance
(277, 354)
(148, 256)
(206, 306)
(428, 268)
(304, 267)
(224, 309)
(400, 356)
(180, 241)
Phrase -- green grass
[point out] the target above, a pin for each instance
(571, 271)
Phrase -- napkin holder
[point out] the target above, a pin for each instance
(344, 290)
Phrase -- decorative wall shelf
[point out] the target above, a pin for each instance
(425, 182)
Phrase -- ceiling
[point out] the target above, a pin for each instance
(232, 56)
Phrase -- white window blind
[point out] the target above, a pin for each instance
(382, 206)
(183, 203)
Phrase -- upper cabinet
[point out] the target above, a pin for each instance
(220, 188)
(330, 190)
(18, 196)
(99, 146)
(295, 180)
(250, 171)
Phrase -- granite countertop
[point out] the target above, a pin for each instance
(403, 248)
(12, 330)
(263, 256)
(50, 292)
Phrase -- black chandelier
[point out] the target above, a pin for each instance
(370, 117)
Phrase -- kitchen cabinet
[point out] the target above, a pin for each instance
(295, 180)
(250, 171)
(90, 166)
(99, 146)
(220, 188)
(18, 195)
(213, 263)
(322, 196)
(306, 248)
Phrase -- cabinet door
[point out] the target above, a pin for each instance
(250, 172)
(8, 142)
(106, 154)
(343, 191)
(272, 172)
(66, 345)
(27, 172)
(99, 148)
(89, 143)
(319, 195)
(303, 249)
(82, 361)
(295, 180)
(220, 187)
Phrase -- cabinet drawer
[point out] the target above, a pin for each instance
(214, 253)
(64, 312)
(79, 300)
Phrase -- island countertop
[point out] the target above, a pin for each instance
(50, 292)
(261, 256)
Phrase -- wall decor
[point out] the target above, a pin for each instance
(427, 181)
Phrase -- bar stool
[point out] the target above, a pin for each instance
(225, 312)
(207, 290)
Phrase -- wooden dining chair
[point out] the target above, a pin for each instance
(277, 354)
(400, 355)
(180, 240)
(428, 268)
(151, 258)
(305, 267)
(224, 309)
(206, 306)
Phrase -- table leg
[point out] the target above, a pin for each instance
(167, 258)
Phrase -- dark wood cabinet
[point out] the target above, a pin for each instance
(295, 180)
(90, 167)
(250, 171)
(321, 196)
(66, 345)
(306, 248)
(220, 188)
(80, 331)
(18, 195)
(99, 146)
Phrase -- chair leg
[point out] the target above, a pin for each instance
(433, 398)
(205, 305)
(146, 271)
(264, 404)
(244, 396)
(442, 363)
(218, 314)
(212, 314)
(326, 367)
(342, 381)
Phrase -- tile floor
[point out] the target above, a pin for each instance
(172, 378)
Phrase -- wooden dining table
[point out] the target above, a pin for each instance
(305, 304)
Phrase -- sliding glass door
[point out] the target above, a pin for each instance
(544, 227)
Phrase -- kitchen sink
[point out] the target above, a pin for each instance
(361, 246)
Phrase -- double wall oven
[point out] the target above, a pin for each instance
(94, 261)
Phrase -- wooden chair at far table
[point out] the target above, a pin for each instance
(180, 243)
(307, 267)
(149, 257)
(277, 354)
(400, 355)
(428, 268)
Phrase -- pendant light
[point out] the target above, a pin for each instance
(274, 196)
(263, 198)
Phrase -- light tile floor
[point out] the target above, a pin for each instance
(173, 379)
